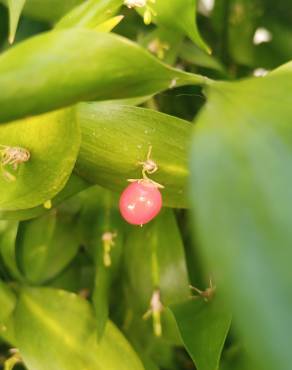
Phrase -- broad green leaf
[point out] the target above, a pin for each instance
(7, 301)
(203, 327)
(55, 329)
(235, 358)
(7, 249)
(243, 19)
(180, 16)
(110, 24)
(155, 352)
(105, 273)
(59, 68)
(154, 258)
(74, 185)
(15, 8)
(100, 218)
(192, 54)
(53, 142)
(78, 277)
(131, 101)
(46, 245)
(47, 10)
(241, 192)
(109, 159)
(90, 14)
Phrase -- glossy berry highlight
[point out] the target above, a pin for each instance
(140, 202)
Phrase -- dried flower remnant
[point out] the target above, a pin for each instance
(158, 48)
(12, 156)
(149, 11)
(206, 294)
(135, 3)
(108, 242)
(156, 307)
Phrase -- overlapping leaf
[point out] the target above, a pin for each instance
(109, 159)
(90, 14)
(47, 10)
(59, 68)
(7, 301)
(241, 190)
(102, 233)
(155, 259)
(53, 142)
(46, 245)
(15, 9)
(203, 327)
(166, 13)
(74, 185)
(47, 320)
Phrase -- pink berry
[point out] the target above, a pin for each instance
(140, 202)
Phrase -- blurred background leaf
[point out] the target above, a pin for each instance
(46, 245)
(241, 190)
(203, 327)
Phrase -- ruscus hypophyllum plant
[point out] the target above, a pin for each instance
(12, 156)
(86, 88)
(108, 241)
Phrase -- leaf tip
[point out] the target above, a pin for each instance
(11, 38)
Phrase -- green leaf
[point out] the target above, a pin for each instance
(74, 185)
(243, 20)
(47, 10)
(100, 217)
(55, 329)
(105, 275)
(15, 8)
(46, 245)
(7, 249)
(110, 24)
(59, 68)
(154, 258)
(241, 192)
(154, 261)
(89, 14)
(203, 327)
(78, 277)
(192, 54)
(109, 159)
(180, 16)
(7, 301)
(53, 142)
(10, 363)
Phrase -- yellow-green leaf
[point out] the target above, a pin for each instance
(59, 68)
(15, 8)
(53, 142)
(110, 160)
(55, 329)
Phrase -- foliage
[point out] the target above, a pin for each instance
(88, 90)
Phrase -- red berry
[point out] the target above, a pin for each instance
(140, 202)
